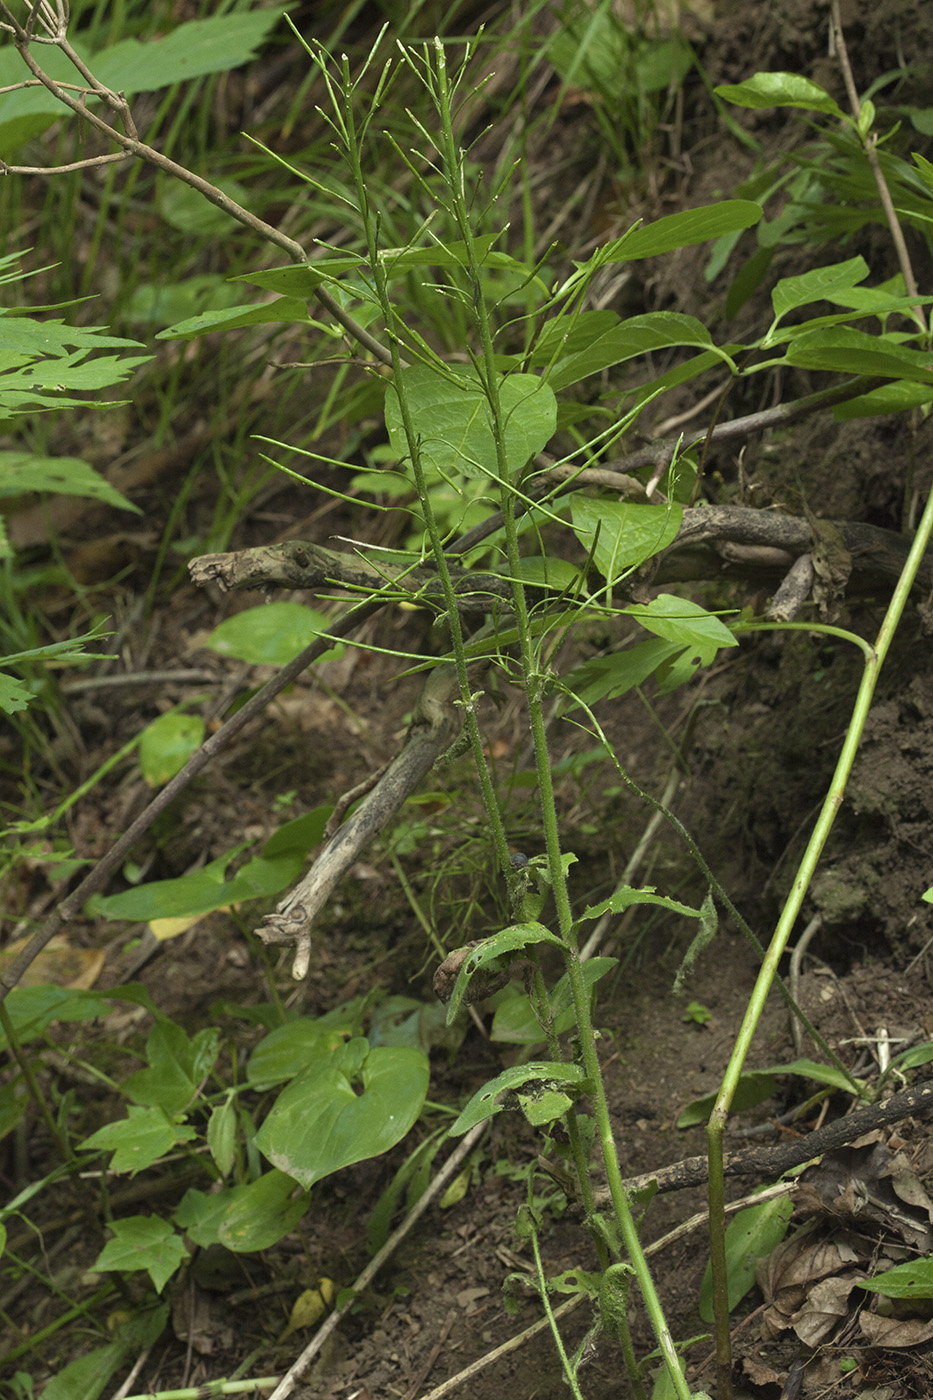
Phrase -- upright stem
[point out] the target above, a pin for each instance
(535, 685)
(789, 913)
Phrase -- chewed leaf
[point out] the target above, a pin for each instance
(483, 1103)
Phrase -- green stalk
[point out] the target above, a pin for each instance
(467, 698)
(768, 971)
(535, 683)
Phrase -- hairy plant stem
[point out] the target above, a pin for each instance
(535, 686)
(785, 925)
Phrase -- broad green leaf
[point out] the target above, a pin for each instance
(515, 1021)
(689, 624)
(911, 1280)
(302, 281)
(291, 1048)
(541, 571)
(283, 857)
(570, 333)
(819, 284)
(145, 1135)
(164, 303)
(624, 897)
(33, 1009)
(86, 1378)
(749, 1237)
(855, 352)
(271, 635)
(192, 213)
(507, 940)
(67, 476)
(483, 1103)
(243, 1218)
(627, 534)
(192, 50)
(779, 90)
(143, 1242)
(324, 1121)
(453, 420)
(640, 335)
(284, 310)
(620, 671)
(12, 1108)
(166, 745)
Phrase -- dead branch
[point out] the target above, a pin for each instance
(738, 541)
(436, 724)
(774, 1161)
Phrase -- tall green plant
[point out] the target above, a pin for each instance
(549, 553)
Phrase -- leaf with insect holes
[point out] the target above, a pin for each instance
(507, 940)
(483, 1104)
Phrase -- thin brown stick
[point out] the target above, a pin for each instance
(774, 1161)
(870, 147)
(132, 145)
(288, 1382)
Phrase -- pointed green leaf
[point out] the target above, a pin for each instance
(640, 335)
(855, 352)
(627, 534)
(750, 1236)
(819, 284)
(779, 90)
(282, 311)
(689, 624)
(681, 230)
